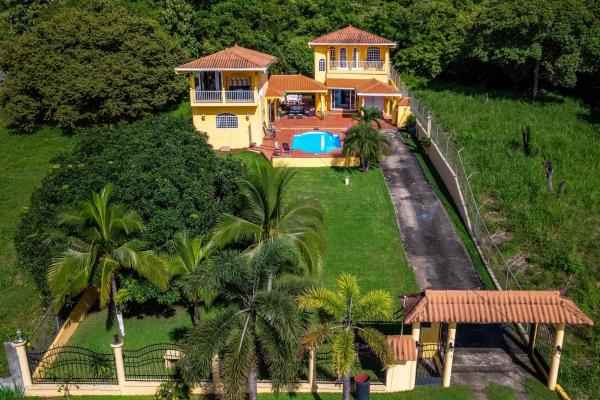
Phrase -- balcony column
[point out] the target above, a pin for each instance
(556, 351)
(223, 95)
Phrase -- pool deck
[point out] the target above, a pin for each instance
(286, 128)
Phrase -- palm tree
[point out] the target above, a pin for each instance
(367, 143)
(270, 212)
(98, 249)
(369, 115)
(257, 327)
(342, 310)
(191, 259)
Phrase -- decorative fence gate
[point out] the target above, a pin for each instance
(157, 362)
(70, 364)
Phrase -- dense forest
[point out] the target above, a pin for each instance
(114, 56)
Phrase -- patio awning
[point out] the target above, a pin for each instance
(364, 87)
(492, 306)
(279, 85)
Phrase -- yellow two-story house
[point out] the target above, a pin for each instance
(237, 103)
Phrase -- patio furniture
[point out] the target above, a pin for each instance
(277, 151)
(286, 148)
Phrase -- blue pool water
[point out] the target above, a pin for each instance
(316, 142)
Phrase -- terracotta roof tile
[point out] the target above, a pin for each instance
(235, 57)
(351, 35)
(404, 347)
(363, 86)
(279, 85)
(492, 306)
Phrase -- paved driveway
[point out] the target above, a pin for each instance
(485, 353)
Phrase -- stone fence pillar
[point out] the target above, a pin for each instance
(117, 346)
(20, 347)
(312, 370)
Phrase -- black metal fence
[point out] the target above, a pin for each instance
(71, 364)
(157, 362)
(367, 362)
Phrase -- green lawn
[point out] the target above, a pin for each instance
(360, 226)
(140, 332)
(556, 239)
(23, 162)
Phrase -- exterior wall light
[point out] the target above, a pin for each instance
(248, 117)
(203, 117)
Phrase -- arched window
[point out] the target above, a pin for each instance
(322, 64)
(227, 120)
(343, 57)
(332, 53)
(355, 57)
(373, 54)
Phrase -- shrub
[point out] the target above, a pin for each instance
(161, 168)
(172, 391)
(93, 63)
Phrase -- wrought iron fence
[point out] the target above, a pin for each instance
(157, 362)
(71, 364)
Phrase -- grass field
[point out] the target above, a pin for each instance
(553, 241)
(23, 162)
(360, 226)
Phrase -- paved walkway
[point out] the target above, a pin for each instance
(485, 353)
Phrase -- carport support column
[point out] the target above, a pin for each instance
(449, 354)
(555, 361)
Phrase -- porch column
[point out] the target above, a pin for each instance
(555, 361)
(416, 331)
(449, 354)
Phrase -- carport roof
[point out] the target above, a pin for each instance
(492, 306)
(404, 347)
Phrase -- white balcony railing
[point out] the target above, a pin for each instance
(224, 96)
(357, 65)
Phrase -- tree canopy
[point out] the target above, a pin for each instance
(97, 62)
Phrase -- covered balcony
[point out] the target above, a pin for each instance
(224, 96)
(354, 65)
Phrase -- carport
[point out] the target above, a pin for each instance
(432, 311)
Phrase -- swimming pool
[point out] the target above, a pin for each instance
(316, 142)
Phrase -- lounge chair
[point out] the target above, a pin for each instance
(286, 148)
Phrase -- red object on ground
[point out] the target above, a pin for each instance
(361, 378)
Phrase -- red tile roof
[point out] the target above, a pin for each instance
(234, 58)
(351, 35)
(279, 85)
(363, 86)
(404, 347)
(493, 306)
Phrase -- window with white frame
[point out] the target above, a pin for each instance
(227, 120)
(322, 64)
(332, 54)
(373, 54)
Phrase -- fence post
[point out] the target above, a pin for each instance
(23, 362)
(216, 374)
(312, 369)
(428, 124)
(117, 345)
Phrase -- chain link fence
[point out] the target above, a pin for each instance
(501, 269)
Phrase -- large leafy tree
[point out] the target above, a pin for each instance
(191, 259)
(367, 143)
(100, 246)
(97, 62)
(257, 329)
(543, 39)
(270, 211)
(342, 310)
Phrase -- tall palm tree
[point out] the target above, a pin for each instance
(270, 212)
(256, 328)
(99, 247)
(342, 311)
(369, 116)
(191, 259)
(367, 143)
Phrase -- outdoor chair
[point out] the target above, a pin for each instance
(286, 148)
